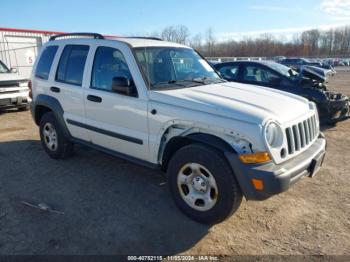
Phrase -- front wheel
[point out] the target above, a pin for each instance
(203, 185)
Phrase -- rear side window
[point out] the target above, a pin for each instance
(45, 62)
(72, 63)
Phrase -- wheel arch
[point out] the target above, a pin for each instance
(44, 104)
(178, 142)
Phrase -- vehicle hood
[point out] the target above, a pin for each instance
(315, 73)
(11, 79)
(248, 103)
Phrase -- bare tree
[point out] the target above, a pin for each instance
(210, 42)
(169, 33)
(182, 34)
(178, 34)
(334, 42)
(196, 42)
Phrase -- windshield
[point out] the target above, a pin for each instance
(284, 70)
(169, 67)
(3, 68)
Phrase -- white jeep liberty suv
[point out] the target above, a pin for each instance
(162, 105)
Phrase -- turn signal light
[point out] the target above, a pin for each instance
(258, 184)
(255, 158)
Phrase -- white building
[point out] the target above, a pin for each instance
(19, 47)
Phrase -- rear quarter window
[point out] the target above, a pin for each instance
(45, 62)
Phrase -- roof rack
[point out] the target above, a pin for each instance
(145, 37)
(99, 36)
(94, 35)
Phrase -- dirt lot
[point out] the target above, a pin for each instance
(113, 207)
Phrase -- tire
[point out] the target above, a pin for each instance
(225, 195)
(60, 147)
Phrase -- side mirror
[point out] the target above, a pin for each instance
(13, 70)
(123, 85)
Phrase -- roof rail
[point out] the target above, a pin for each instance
(94, 35)
(146, 37)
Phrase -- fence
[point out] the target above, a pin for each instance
(229, 59)
(19, 48)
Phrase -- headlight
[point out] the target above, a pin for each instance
(272, 133)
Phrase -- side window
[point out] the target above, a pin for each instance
(109, 63)
(260, 75)
(230, 72)
(72, 63)
(45, 62)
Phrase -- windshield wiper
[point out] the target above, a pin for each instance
(204, 80)
(181, 83)
(170, 82)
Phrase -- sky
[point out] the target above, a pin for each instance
(229, 19)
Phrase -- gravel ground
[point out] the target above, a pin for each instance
(109, 206)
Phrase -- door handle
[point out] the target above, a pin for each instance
(95, 99)
(55, 89)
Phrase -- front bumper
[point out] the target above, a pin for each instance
(277, 178)
(14, 100)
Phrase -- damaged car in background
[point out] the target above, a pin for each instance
(323, 72)
(310, 82)
(14, 91)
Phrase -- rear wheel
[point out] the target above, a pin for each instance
(203, 184)
(52, 138)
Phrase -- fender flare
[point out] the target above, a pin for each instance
(55, 107)
(212, 141)
(177, 142)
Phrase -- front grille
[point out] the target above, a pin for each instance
(9, 92)
(301, 134)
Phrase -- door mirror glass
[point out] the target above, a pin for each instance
(122, 85)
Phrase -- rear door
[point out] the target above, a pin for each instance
(67, 85)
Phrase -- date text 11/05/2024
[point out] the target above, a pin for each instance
(173, 258)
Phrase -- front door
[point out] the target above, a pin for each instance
(115, 121)
(258, 75)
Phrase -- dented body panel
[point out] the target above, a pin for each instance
(237, 115)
